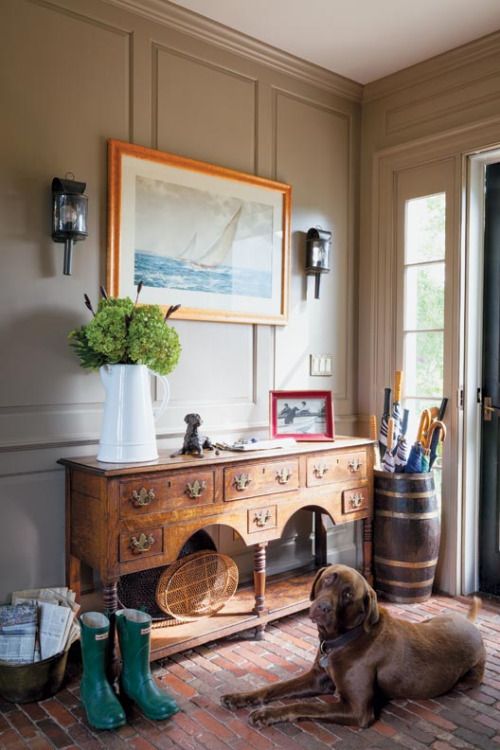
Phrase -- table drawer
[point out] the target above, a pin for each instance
(355, 500)
(141, 543)
(259, 519)
(252, 480)
(148, 495)
(336, 467)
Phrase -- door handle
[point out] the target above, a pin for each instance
(489, 409)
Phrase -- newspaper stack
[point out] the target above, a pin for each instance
(38, 624)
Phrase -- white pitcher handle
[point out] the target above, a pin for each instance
(158, 410)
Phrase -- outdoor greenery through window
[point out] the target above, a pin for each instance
(423, 323)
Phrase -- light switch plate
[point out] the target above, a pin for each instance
(321, 365)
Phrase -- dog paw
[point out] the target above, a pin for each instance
(239, 700)
(263, 717)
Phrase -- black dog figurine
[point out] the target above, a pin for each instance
(193, 442)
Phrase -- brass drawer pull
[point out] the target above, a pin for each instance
(319, 470)
(241, 481)
(260, 518)
(195, 489)
(283, 475)
(143, 544)
(142, 498)
(354, 465)
(356, 501)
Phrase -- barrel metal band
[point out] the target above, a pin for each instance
(407, 516)
(388, 493)
(407, 585)
(403, 564)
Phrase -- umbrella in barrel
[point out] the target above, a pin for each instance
(424, 426)
(434, 440)
(401, 452)
(414, 463)
(382, 434)
(396, 404)
(437, 428)
(388, 459)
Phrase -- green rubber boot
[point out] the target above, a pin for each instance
(100, 702)
(136, 680)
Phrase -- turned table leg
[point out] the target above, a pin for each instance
(368, 549)
(259, 581)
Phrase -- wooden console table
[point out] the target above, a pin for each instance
(131, 517)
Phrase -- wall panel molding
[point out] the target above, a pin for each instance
(345, 333)
(459, 60)
(157, 49)
(202, 28)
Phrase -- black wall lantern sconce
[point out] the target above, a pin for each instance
(318, 243)
(69, 215)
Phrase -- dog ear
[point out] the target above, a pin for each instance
(371, 608)
(312, 595)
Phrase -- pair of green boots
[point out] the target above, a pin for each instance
(136, 681)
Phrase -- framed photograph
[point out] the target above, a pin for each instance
(303, 415)
(211, 239)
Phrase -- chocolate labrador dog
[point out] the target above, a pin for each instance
(368, 657)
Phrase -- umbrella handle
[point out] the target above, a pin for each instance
(398, 385)
(390, 434)
(423, 426)
(437, 426)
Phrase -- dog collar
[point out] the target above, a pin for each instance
(326, 647)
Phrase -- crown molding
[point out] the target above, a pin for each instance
(188, 22)
(438, 66)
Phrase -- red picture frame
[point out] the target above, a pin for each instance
(302, 415)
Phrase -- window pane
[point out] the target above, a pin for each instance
(425, 228)
(423, 359)
(424, 297)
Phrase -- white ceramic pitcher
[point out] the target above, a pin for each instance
(128, 427)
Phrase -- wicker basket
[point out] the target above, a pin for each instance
(138, 590)
(197, 586)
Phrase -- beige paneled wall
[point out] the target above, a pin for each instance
(73, 74)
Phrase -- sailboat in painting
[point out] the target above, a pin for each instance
(204, 268)
(218, 252)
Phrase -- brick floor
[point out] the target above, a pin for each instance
(197, 679)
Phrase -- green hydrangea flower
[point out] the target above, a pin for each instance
(123, 333)
(152, 341)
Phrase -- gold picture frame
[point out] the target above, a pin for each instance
(211, 239)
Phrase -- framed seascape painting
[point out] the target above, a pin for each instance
(211, 239)
(303, 415)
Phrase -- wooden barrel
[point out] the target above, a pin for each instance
(406, 535)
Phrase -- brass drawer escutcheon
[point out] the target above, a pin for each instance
(195, 489)
(143, 544)
(356, 501)
(283, 475)
(241, 481)
(261, 518)
(142, 498)
(354, 465)
(319, 470)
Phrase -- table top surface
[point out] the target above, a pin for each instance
(171, 460)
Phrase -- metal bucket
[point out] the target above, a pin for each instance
(26, 683)
(406, 535)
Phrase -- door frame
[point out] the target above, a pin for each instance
(475, 170)
(459, 568)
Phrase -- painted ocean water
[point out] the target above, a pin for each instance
(173, 273)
